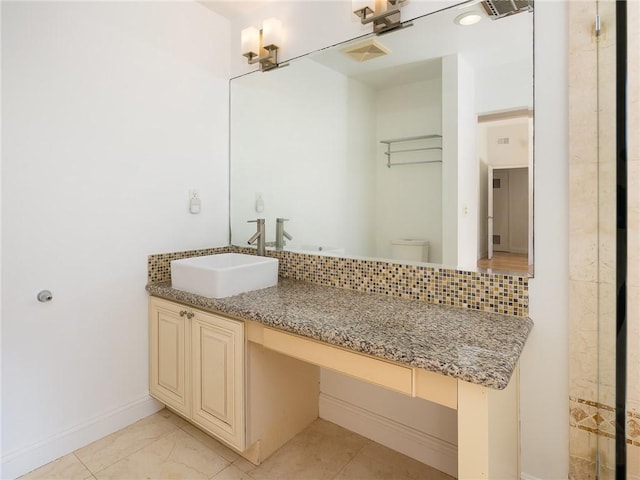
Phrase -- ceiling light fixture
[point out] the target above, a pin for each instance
(468, 18)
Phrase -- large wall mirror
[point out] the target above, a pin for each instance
(415, 145)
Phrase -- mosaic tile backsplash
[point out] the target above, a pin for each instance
(488, 292)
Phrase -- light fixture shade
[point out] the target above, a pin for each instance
(250, 41)
(358, 5)
(271, 33)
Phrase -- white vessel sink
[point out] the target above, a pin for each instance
(224, 275)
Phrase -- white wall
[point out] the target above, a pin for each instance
(544, 383)
(111, 112)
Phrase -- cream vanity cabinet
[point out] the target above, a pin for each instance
(169, 356)
(203, 368)
(197, 367)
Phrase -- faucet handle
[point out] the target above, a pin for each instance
(257, 220)
(281, 220)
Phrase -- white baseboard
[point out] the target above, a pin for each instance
(23, 460)
(402, 438)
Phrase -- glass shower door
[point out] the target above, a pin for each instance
(606, 239)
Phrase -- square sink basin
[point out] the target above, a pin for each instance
(223, 275)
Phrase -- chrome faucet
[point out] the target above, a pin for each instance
(281, 234)
(259, 237)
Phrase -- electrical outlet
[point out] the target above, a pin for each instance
(194, 194)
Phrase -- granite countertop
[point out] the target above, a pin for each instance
(470, 345)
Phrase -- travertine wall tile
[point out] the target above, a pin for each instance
(583, 222)
(583, 344)
(593, 234)
(633, 461)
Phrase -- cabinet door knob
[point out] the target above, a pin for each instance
(190, 315)
(183, 313)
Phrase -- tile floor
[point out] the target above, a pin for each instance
(164, 446)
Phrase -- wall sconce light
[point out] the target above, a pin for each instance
(383, 19)
(261, 46)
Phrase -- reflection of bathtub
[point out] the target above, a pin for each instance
(317, 249)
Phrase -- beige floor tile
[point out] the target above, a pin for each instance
(218, 447)
(319, 452)
(232, 473)
(155, 448)
(244, 465)
(174, 418)
(174, 456)
(377, 462)
(112, 448)
(64, 468)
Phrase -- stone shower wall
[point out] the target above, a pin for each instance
(592, 268)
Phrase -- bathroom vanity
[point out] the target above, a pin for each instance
(246, 368)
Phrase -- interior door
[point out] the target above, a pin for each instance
(501, 210)
(518, 210)
(490, 212)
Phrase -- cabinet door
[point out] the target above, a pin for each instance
(218, 376)
(169, 379)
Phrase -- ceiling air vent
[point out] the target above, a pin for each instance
(501, 8)
(366, 50)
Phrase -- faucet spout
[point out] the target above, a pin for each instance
(258, 237)
(281, 234)
(253, 238)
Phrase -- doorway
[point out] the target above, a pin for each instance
(509, 232)
(506, 216)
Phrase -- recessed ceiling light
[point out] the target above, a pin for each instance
(468, 18)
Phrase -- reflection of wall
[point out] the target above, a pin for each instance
(409, 197)
(504, 87)
(511, 152)
(338, 169)
(460, 165)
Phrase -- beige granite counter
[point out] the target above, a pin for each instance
(477, 347)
